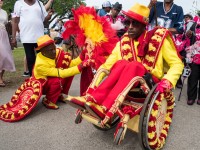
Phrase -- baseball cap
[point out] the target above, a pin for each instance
(106, 4)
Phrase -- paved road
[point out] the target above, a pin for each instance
(45, 129)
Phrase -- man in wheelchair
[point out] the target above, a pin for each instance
(139, 52)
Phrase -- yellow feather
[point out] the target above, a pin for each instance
(93, 29)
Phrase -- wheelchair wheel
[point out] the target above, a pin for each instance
(142, 118)
(155, 119)
(113, 124)
(119, 136)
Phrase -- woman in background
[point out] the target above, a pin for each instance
(6, 58)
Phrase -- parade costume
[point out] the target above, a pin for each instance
(54, 86)
(193, 57)
(151, 52)
(197, 20)
(50, 77)
(57, 82)
(137, 55)
(182, 41)
(95, 35)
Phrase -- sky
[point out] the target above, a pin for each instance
(187, 5)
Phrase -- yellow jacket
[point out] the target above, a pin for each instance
(46, 67)
(167, 59)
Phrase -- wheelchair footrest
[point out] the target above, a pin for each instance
(78, 116)
(88, 117)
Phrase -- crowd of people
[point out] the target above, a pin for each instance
(184, 29)
(153, 43)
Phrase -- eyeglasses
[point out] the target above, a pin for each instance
(129, 22)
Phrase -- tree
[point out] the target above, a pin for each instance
(61, 7)
(8, 5)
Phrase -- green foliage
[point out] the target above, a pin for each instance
(61, 7)
(8, 5)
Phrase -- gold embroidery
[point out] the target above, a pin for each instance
(154, 48)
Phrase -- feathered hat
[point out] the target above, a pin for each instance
(89, 28)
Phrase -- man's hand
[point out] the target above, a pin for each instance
(50, 13)
(164, 86)
(13, 43)
(173, 30)
(48, 17)
(86, 63)
(189, 33)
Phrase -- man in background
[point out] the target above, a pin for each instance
(116, 19)
(166, 14)
(106, 7)
(169, 15)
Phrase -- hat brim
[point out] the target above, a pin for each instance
(188, 15)
(45, 44)
(135, 16)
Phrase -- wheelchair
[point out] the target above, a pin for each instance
(141, 110)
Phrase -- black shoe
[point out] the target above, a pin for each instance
(26, 74)
(190, 102)
(198, 101)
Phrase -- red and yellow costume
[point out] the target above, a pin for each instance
(152, 52)
(124, 64)
(57, 81)
(95, 34)
(51, 77)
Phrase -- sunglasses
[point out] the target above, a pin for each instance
(129, 22)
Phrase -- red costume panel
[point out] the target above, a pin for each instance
(122, 73)
(55, 86)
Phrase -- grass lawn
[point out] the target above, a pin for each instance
(15, 78)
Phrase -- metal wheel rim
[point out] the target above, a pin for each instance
(142, 118)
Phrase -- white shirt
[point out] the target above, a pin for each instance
(31, 20)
